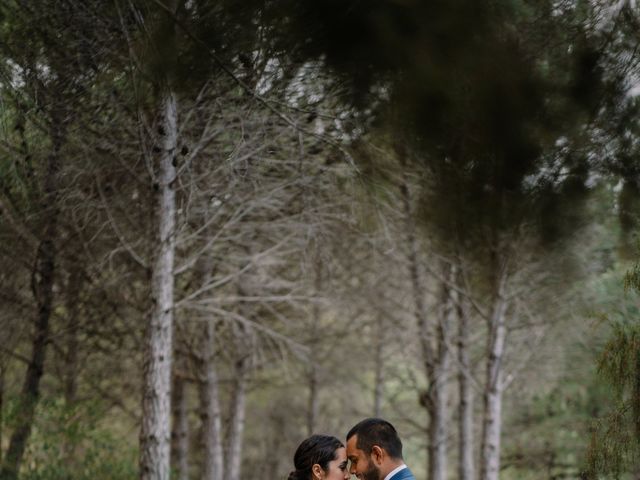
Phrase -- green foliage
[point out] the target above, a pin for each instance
(73, 443)
(615, 443)
(545, 431)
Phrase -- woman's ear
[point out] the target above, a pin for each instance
(316, 472)
(377, 455)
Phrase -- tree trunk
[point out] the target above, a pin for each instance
(210, 414)
(465, 408)
(378, 393)
(180, 433)
(492, 415)
(42, 286)
(237, 423)
(313, 404)
(431, 399)
(238, 413)
(155, 436)
(438, 391)
(277, 433)
(71, 355)
(2, 370)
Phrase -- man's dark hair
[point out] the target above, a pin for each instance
(375, 431)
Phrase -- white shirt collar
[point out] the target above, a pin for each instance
(394, 471)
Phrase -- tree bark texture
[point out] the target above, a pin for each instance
(238, 413)
(42, 286)
(210, 413)
(237, 429)
(180, 428)
(313, 405)
(2, 373)
(71, 355)
(73, 303)
(378, 393)
(492, 414)
(465, 407)
(435, 358)
(155, 436)
(438, 394)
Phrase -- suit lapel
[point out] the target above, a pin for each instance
(404, 474)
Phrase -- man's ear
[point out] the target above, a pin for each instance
(316, 472)
(377, 455)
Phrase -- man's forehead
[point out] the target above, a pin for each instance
(352, 449)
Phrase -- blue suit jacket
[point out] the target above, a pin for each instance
(404, 474)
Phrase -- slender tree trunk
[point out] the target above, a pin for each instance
(71, 355)
(492, 415)
(180, 430)
(432, 399)
(213, 464)
(237, 428)
(238, 413)
(420, 309)
(210, 414)
(378, 393)
(438, 435)
(155, 436)
(313, 405)
(277, 433)
(42, 286)
(465, 408)
(438, 391)
(2, 370)
(436, 358)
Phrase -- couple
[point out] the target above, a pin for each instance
(374, 452)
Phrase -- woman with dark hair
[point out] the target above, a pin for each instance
(320, 457)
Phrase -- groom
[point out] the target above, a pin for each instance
(375, 452)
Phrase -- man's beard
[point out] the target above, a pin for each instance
(372, 473)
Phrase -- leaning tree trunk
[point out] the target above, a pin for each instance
(155, 435)
(492, 414)
(465, 407)
(42, 286)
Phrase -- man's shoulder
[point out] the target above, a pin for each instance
(404, 474)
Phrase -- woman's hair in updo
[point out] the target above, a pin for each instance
(320, 449)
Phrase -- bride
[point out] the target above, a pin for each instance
(320, 457)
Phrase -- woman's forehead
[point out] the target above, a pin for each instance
(341, 454)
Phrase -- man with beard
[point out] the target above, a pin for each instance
(375, 452)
